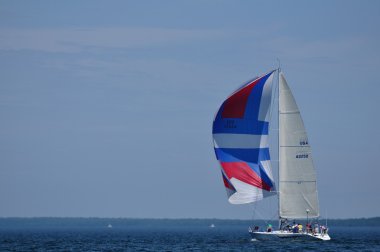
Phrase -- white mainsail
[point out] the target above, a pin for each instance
(297, 178)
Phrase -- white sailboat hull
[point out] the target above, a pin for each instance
(277, 235)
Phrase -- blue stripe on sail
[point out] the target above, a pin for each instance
(251, 156)
(249, 124)
(254, 100)
(240, 126)
(239, 155)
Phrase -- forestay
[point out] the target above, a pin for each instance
(240, 133)
(297, 185)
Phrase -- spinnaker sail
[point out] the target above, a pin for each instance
(240, 133)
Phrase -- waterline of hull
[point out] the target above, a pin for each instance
(277, 235)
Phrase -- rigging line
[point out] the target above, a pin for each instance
(273, 216)
(278, 144)
(254, 211)
(263, 219)
(261, 210)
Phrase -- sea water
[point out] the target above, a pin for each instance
(169, 235)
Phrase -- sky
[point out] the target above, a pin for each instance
(106, 107)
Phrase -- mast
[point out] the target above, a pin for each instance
(278, 142)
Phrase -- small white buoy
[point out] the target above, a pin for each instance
(212, 226)
(109, 226)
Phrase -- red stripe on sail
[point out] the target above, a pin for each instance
(234, 106)
(242, 172)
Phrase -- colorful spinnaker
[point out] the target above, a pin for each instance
(240, 132)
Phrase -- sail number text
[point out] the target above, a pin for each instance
(302, 156)
(230, 124)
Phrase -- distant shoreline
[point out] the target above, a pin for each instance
(7, 223)
(165, 218)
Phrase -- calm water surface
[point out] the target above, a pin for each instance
(173, 238)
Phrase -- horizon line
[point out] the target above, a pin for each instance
(167, 218)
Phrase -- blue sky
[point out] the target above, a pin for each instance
(106, 106)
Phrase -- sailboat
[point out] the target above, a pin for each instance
(241, 131)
